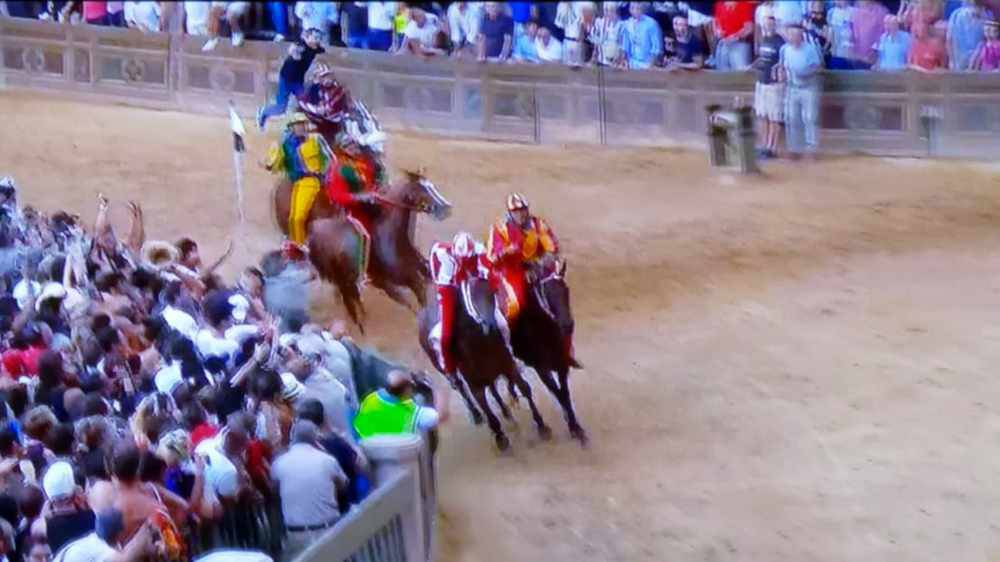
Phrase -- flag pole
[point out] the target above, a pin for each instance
(239, 148)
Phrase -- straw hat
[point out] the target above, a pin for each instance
(160, 254)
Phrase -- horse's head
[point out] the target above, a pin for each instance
(480, 302)
(553, 292)
(420, 194)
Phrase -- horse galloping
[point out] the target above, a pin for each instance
(394, 263)
(481, 354)
(542, 333)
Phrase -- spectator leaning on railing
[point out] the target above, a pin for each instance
(869, 24)
(893, 47)
(643, 41)
(381, 23)
(734, 28)
(686, 50)
(421, 36)
(965, 33)
(547, 47)
(840, 30)
(524, 45)
(463, 26)
(607, 35)
(987, 57)
(319, 16)
(496, 34)
(356, 19)
(196, 17)
(928, 53)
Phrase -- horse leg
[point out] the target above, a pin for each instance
(544, 431)
(504, 411)
(503, 443)
(396, 294)
(418, 287)
(575, 429)
(459, 384)
(549, 380)
(351, 298)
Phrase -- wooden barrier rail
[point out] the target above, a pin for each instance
(953, 114)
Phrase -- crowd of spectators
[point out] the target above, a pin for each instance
(151, 410)
(890, 35)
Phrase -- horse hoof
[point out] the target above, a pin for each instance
(545, 433)
(580, 435)
(502, 443)
(477, 418)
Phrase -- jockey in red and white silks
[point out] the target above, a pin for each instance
(451, 265)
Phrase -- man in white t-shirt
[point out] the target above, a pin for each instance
(463, 22)
(196, 14)
(380, 25)
(420, 36)
(144, 16)
(548, 47)
(221, 475)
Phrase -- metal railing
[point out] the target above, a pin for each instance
(955, 114)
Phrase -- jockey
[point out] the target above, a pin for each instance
(517, 242)
(352, 187)
(326, 97)
(307, 159)
(451, 265)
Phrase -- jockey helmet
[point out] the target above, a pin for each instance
(516, 201)
(320, 70)
(298, 117)
(464, 246)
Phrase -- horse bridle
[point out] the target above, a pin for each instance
(543, 302)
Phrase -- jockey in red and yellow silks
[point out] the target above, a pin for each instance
(307, 159)
(517, 241)
(451, 265)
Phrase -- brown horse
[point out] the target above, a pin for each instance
(541, 335)
(481, 354)
(394, 263)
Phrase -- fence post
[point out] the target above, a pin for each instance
(394, 454)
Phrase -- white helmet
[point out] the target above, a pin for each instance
(464, 246)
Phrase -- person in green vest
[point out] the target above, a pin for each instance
(392, 410)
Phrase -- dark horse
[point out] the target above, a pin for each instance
(394, 263)
(542, 333)
(480, 353)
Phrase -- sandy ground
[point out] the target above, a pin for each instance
(797, 367)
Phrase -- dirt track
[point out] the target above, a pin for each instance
(799, 367)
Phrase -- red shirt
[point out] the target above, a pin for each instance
(732, 17)
(20, 363)
(202, 432)
(929, 54)
(94, 10)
